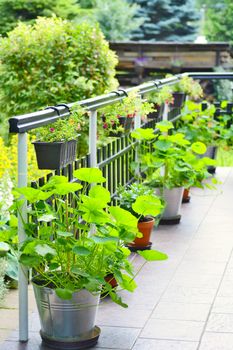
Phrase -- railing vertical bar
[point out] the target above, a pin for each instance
(122, 162)
(93, 138)
(23, 272)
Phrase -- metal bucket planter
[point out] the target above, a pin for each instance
(67, 324)
(55, 155)
(173, 199)
(211, 152)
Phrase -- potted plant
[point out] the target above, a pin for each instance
(158, 98)
(56, 144)
(74, 240)
(170, 166)
(141, 202)
(119, 117)
(200, 125)
(186, 86)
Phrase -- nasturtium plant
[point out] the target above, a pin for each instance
(75, 238)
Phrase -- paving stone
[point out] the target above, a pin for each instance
(226, 288)
(154, 344)
(186, 294)
(181, 311)
(223, 305)
(8, 319)
(173, 330)
(198, 267)
(118, 337)
(220, 323)
(217, 341)
(197, 280)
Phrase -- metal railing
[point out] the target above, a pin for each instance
(112, 159)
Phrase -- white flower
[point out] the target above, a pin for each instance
(6, 197)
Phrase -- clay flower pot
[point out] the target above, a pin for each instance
(186, 195)
(145, 227)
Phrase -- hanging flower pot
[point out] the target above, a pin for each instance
(179, 99)
(55, 155)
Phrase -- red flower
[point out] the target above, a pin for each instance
(51, 129)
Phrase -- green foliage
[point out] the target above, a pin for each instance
(13, 11)
(219, 26)
(139, 200)
(3, 288)
(117, 18)
(167, 20)
(182, 165)
(66, 254)
(53, 61)
(63, 129)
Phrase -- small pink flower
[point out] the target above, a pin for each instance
(105, 125)
(51, 129)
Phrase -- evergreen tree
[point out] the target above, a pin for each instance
(170, 20)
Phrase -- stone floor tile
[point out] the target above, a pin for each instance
(220, 323)
(226, 288)
(223, 305)
(188, 294)
(197, 280)
(198, 267)
(181, 311)
(118, 337)
(173, 330)
(8, 319)
(156, 344)
(217, 341)
(114, 315)
(4, 334)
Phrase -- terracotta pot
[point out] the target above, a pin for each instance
(145, 227)
(186, 195)
(111, 280)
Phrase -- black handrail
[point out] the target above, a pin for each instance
(26, 122)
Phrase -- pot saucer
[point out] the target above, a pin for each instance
(174, 220)
(186, 200)
(134, 248)
(86, 341)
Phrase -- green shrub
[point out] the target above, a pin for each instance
(3, 288)
(13, 11)
(53, 61)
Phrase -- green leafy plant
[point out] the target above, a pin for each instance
(161, 96)
(61, 60)
(131, 105)
(200, 125)
(189, 86)
(64, 129)
(66, 254)
(178, 157)
(139, 200)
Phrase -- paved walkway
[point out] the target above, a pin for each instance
(184, 303)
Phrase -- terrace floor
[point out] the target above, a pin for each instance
(184, 303)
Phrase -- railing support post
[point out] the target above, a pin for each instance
(137, 124)
(23, 272)
(93, 139)
(165, 111)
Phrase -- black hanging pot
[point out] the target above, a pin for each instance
(55, 155)
(179, 99)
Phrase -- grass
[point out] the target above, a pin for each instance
(225, 156)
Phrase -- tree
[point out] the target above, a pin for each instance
(219, 24)
(174, 20)
(13, 11)
(117, 18)
(53, 61)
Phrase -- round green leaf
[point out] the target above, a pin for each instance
(81, 250)
(100, 192)
(198, 147)
(90, 175)
(152, 255)
(147, 205)
(64, 293)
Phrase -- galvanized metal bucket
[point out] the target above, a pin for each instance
(66, 320)
(173, 199)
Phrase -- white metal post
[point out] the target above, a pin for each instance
(137, 124)
(93, 138)
(165, 111)
(23, 272)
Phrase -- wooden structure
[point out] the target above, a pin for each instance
(139, 60)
